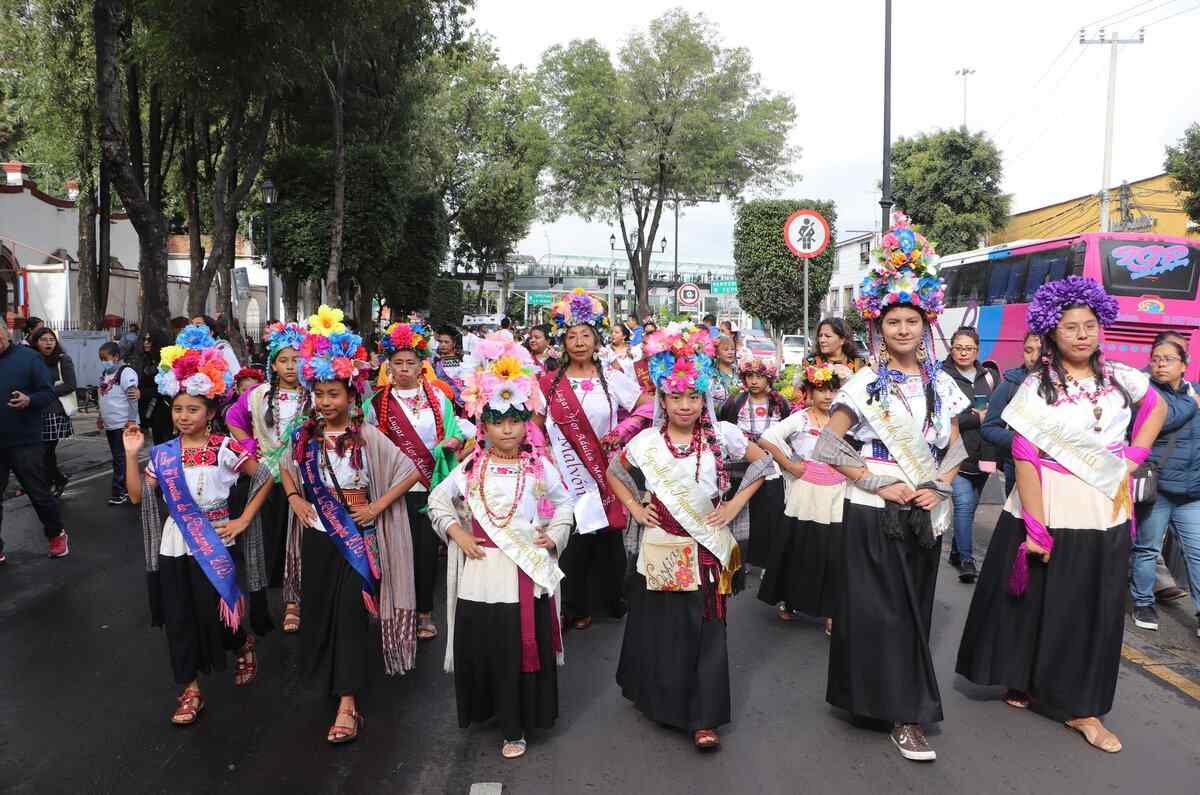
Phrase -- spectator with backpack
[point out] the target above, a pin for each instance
(118, 399)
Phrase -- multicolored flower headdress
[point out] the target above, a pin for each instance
(1052, 298)
(283, 335)
(193, 365)
(330, 353)
(757, 366)
(905, 273)
(824, 376)
(406, 337)
(577, 308)
(681, 359)
(501, 378)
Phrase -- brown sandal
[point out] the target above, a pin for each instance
(1016, 698)
(784, 614)
(291, 618)
(341, 734)
(582, 623)
(706, 739)
(1096, 734)
(190, 704)
(247, 664)
(426, 629)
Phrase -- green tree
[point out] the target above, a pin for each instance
(770, 278)
(678, 115)
(446, 302)
(1183, 164)
(948, 183)
(855, 323)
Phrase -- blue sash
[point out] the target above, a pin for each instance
(198, 532)
(339, 525)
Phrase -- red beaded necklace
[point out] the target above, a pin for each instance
(693, 447)
(498, 519)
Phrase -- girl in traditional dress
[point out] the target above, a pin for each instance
(503, 575)
(583, 400)
(619, 354)
(419, 419)
(754, 410)
(1047, 616)
(193, 568)
(537, 342)
(344, 481)
(902, 410)
(806, 550)
(674, 662)
(263, 419)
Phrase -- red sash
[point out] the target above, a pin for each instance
(395, 423)
(641, 369)
(571, 419)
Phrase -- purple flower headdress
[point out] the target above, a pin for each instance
(577, 308)
(1046, 308)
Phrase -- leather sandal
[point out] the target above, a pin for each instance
(1097, 736)
(1016, 698)
(246, 664)
(784, 614)
(706, 739)
(291, 618)
(342, 734)
(513, 749)
(188, 711)
(426, 629)
(582, 623)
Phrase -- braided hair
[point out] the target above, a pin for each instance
(561, 371)
(1053, 374)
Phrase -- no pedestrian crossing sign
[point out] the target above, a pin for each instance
(688, 294)
(806, 233)
(540, 299)
(723, 288)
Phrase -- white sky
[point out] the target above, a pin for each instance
(828, 56)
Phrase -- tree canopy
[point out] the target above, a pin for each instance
(948, 182)
(1183, 164)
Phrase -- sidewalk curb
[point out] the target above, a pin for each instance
(1163, 664)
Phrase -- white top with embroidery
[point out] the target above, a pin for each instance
(911, 401)
(288, 403)
(423, 422)
(733, 442)
(494, 579)
(209, 480)
(343, 467)
(623, 361)
(623, 392)
(796, 432)
(1076, 410)
(755, 418)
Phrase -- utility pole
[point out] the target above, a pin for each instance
(964, 73)
(885, 202)
(1113, 42)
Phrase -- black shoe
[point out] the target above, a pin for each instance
(121, 500)
(1145, 616)
(955, 559)
(60, 487)
(966, 572)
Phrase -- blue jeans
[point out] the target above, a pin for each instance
(1148, 545)
(967, 489)
(116, 446)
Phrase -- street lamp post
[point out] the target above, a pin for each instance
(269, 197)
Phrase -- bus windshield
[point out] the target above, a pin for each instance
(1139, 267)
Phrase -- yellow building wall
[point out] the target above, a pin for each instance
(1153, 197)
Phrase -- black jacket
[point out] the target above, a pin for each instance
(986, 381)
(23, 369)
(66, 369)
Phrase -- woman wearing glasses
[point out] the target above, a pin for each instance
(977, 384)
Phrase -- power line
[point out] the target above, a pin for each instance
(1062, 111)
(1103, 20)
(1125, 18)
(1172, 16)
(1038, 82)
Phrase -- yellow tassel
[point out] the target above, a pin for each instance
(1123, 499)
(735, 563)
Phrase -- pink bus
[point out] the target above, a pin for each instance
(1154, 279)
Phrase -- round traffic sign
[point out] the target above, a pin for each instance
(688, 294)
(806, 233)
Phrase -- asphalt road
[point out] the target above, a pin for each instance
(87, 693)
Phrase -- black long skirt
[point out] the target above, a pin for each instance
(197, 639)
(674, 665)
(488, 681)
(275, 526)
(1060, 641)
(879, 661)
(425, 549)
(334, 635)
(766, 520)
(802, 567)
(594, 565)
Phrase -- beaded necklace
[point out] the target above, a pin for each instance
(1092, 397)
(502, 520)
(680, 451)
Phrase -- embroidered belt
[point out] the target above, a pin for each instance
(217, 512)
(356, 497)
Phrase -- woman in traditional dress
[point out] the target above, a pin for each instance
(902, 410)
(674, 662)
(620, 354)
(753, 410)
(344, 482)
(419, 419)
(538, 343)
(583, 401)
(835, 345)
(1047, 616)
(726, 384)
(193, 568)
(503, 640)
(806, 550)
(263, 419)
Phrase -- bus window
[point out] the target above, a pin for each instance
(1016, 279)
(997, 283)
(1078, 258)
(1045, 266)
(951, 277)
(972, 279)
(1145, 267)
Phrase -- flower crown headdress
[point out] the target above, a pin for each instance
(756, 366)
(193, 365)
(250, 372)
(905, 273)
(284, 335)
(824, 376)
(330, 353)
(501, 377)
(577, 308)
(1052, 298)
(681, 359)
(406, 337)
